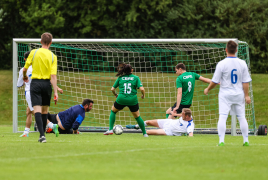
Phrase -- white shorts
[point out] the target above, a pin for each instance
(235, 104)
(165, 125)
(28, 99)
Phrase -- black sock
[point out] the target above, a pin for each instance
(39, 122)
(44, 119)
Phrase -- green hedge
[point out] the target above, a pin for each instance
(245, 20)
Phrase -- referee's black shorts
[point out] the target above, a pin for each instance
(179, 110)
(133, 108)
(40, 90)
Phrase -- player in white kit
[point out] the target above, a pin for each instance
(170, 127)
(29, 110)
(233, 75)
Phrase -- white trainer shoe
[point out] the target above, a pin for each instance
(109, 132)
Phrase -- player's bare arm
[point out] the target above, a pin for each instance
(205, 80)
(179, 94)
(245, 88)
(142, 92)
(25, 77)
(210, 86)
(113, 91)
(54, 84)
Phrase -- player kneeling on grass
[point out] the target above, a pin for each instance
(69, 119)
(128, 85)
(170, 127)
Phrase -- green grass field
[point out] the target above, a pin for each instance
(130, 156)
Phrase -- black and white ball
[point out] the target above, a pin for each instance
(118, 129)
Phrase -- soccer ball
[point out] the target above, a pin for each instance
(118, 129)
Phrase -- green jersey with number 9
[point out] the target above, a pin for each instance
(186, 81)
(128, 85)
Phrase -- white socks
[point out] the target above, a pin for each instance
(222, 127)
(27, 130)
(50, 125)
(244, 127)
(145, 123)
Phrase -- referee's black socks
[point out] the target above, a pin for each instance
(44, 119)
(39, 122)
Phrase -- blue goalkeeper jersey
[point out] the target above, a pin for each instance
(72, 117)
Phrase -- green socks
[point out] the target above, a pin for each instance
(111, 120)
(141, 124)
(167, 115)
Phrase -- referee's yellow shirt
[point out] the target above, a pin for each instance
(44, 63)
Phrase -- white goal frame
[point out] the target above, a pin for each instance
(83, 41)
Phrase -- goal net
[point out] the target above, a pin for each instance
(87, 69)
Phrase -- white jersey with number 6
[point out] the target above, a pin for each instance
(231, 72)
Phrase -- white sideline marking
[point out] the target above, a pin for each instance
(88, 154)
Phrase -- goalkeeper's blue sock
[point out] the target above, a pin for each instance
(111, 120)
(141, 124)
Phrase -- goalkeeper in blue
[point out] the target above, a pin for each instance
(128, 85)
(72, 118)
(170, 127)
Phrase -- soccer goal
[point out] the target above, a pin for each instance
(87, 69)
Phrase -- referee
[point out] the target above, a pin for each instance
(44, 64)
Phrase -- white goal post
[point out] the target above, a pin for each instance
(87, 68)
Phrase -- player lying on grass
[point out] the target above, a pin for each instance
(71, 118)
(29, 110)
(170, 127)
(128, 85)
(185, 89)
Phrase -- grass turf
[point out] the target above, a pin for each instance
(130, 156)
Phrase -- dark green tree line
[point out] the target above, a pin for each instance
(137, 19)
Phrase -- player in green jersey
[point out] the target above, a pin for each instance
(128, 85)
(185, 89)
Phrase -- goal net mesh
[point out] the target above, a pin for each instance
(87, 70)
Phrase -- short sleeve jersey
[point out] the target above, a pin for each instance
(186, 81)
(20, 79)
(182, 126)
(231, 72)
(128, 85)
(44, 63)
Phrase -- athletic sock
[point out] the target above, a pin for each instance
(27, 130)
(222, 127)
(39, 122)
(244, 127)
(50, 125)
(141, 124)
(145, 124)
(167, 115)
(112, 120)
(44, 119)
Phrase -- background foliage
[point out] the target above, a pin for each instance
(137, 19)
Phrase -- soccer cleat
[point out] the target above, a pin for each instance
(221, 144)
(145, 135)
(246, 144)
(24, 135)
(132, 126)
(49, 130)
(42, 139)
(55, 129)
(109, 132)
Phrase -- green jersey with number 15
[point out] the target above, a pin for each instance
(186, 81)
(128, 85)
